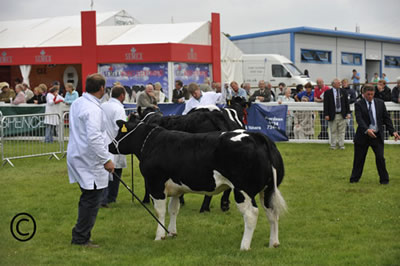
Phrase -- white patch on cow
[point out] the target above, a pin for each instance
(160, 207)
(222, 133)
(239, 130)
(221, 182)
(239, 137)
(236, 117)
(209, 107)
(250, 216)
(174, 189)
(173, 210)
(230, 115)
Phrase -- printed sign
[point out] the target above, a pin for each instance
(136, 74)
(189, 73)
(269, 120)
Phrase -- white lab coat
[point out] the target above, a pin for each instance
(114, 111)
(52, 108)
(207, 98)
(87, 148)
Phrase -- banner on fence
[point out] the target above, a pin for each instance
(16, 126)
(166, 109)
(270, 120)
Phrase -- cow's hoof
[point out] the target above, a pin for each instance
(172, 234)
(275, 245)
(146, 200)
(159, 238)
(204, 210)
(225, 206)
(245, 249)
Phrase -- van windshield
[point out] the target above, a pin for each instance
(293, 69)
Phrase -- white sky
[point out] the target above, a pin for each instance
(380, 17)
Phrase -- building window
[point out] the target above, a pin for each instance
(351, 59)
(392, 61)
(315, 56)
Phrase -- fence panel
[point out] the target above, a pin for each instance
(318, 126)
(31, 135)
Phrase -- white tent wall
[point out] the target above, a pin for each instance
(201, 36)
(231, 61)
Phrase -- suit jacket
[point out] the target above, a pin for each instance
(177, 94)
(363, 121)
(385, 95)
(266, 94)
(329, 104)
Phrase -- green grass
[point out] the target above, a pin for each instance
(329, 222)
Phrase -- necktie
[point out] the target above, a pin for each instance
(338, 105)
(371, 116)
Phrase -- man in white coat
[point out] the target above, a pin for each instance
(114, 110)
(200, 98)
(88, 160)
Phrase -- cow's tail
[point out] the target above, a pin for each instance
(278, 203)
(274, 198)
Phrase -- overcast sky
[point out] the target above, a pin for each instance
(381, 17)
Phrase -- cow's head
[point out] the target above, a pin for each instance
(144, 114)
(124, 141)
(240, 105)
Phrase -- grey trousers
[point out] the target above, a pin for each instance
(89, 204)
(337, 130)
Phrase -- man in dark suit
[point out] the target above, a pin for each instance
(180, 94)
(371, 115)
(264, 94)
(336, 111)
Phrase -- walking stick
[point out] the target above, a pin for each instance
(147, 209)
(133, 188)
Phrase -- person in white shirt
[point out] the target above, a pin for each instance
(200, 98)
(28, 93)
(88, 160)
(53, 107)
(114, 111)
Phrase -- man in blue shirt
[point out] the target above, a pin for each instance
(236, 91)
(356, 81)
(308, 92)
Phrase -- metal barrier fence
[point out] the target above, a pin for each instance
(23, 136)
(316, 128)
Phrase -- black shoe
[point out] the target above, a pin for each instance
(384, 182)
(353, 181)
(88, 244)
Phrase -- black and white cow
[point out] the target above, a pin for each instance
(200, 120)
(175, 162)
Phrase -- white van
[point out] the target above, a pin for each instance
(272, 68)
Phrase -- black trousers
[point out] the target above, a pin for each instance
(360, 152)
(89, 204)
(111, 192)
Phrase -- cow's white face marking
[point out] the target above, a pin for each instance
(209, 107)
(239, 137)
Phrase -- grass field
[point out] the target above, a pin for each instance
(329, 222)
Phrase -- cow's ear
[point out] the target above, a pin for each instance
(120, 123)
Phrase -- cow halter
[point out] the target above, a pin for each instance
(145, 140)
(116, 142)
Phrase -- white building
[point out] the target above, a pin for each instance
(328, 53)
